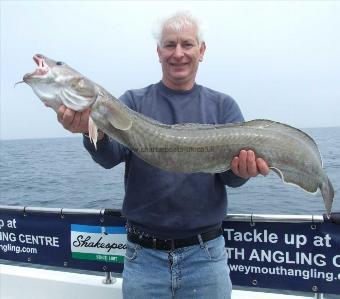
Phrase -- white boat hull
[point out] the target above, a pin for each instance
(30, 283)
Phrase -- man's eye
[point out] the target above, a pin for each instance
(169, 46)
(59, 63)
(188, 46)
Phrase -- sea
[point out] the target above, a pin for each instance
(58, 172)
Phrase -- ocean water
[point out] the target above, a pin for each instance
(60, 173)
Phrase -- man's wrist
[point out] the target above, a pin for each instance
(101, 135)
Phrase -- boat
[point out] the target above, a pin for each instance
(52, 253)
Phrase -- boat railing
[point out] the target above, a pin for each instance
(290, 252)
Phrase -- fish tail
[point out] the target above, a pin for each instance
(327, 192)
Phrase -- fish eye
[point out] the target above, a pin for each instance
(59, 63)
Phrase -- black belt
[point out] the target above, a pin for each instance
(154, 243)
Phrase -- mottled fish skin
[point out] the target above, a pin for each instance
(189, 148)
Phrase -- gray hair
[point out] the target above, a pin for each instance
(178, 22)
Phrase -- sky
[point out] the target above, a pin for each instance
(279, 60)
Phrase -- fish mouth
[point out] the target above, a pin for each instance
(41, 70)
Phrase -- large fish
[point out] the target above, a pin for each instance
(185, 148)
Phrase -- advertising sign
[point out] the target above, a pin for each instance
(83, 241)
(98, 243)
(290, 256)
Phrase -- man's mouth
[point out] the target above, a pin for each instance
(179, 64)
(42, 67)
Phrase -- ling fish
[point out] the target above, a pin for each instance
(184, 148)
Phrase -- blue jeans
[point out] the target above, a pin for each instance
(199, 271)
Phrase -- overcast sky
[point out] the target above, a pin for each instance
(278, 59)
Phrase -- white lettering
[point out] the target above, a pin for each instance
(5, 236)
(11, 223)
(39, 240)
(251, 236)
(254, 255)
(297, 240)
(235, 253)
(336, 261)
(319, 260)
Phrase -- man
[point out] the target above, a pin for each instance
(175, 247)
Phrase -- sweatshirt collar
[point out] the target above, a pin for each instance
(168, 90)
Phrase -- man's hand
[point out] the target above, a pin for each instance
(246, 165)
(73, 121)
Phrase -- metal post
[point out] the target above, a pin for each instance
(109, 279)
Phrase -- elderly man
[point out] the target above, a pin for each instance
(175, 245)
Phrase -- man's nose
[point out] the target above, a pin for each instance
(178, 51)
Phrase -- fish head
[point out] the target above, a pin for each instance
(56, 84)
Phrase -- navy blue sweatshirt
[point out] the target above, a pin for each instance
(158, 202)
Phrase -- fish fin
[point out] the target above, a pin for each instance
(286, 130)
(259, 123)
(72, 100)
(84, 87)
(310, 186)
(93, 132)
(118, 117)
(327, 192)
(192, 126)
(216, 169)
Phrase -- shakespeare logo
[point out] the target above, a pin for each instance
(98, 243)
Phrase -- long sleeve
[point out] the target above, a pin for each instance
(231, 180)
(108, 154)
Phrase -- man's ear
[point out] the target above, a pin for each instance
(159, 54)
(202, 50)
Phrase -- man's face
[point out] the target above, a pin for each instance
(179, 54)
